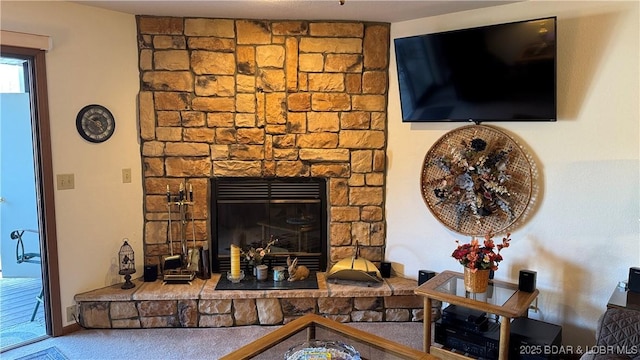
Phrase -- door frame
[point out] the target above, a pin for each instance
(44, 179)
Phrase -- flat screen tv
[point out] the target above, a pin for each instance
(504, 72)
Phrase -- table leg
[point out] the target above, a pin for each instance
(505, 326)
(311, 332)
(426, 324)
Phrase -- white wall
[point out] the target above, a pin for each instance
(584, 233)
(94, 60)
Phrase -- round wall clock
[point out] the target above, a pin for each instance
(95, 123)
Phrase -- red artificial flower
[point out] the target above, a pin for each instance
(475, 257)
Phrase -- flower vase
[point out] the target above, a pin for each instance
(476, 282)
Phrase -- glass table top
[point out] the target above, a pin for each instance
(496, 294)
(501, 298)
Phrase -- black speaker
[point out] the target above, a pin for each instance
(204, 270)
(527, 281)
(424, 275)
(150, 273)
(634, 279)
(385, 269)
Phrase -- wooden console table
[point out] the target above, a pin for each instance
(313, 326)
(623, 298)
(502, 299)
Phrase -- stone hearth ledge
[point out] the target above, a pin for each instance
(154, 304)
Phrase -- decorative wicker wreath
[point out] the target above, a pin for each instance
(476, 179)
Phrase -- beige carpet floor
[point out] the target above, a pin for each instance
(183, 343)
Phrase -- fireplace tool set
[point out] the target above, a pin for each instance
(181, 268)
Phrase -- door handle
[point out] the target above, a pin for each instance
(1, 199)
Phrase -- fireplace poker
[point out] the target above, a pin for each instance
(183, 222)
(194, 254)
(171, 261)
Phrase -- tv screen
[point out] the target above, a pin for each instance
(503, 72)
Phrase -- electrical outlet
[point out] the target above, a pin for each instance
(65, 181)
(126, 176)
(71, 313)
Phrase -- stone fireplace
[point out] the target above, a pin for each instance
(264, 99)
(248, 99)
(250, 212)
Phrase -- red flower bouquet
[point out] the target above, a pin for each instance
(476, 257)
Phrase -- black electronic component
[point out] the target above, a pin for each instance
(483, 344)
(464, 318)
(535, 340)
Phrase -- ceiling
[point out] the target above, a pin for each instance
(361, 10)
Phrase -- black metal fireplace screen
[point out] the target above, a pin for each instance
(250, 211)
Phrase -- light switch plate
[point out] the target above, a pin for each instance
(65, 181)
(126, 176)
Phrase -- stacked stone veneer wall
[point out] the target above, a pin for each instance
(151, 305)
(223, 97)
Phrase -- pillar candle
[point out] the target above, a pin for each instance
(235, 261)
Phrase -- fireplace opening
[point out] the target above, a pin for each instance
(251, 211)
